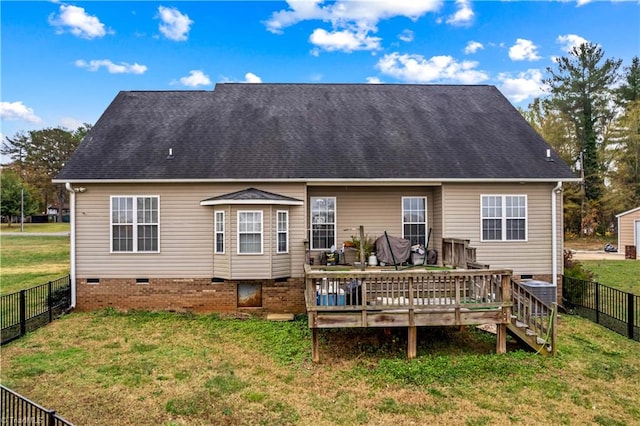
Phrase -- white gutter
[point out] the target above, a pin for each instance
(554, 231)
(72, 254)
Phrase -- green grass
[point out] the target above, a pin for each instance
(621, 274)
(163, 368)
(26, 261)
(36, 227)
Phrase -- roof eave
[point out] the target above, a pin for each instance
(325, 181)
(251, 202)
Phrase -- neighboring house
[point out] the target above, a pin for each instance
(629, 232)
(210, 200)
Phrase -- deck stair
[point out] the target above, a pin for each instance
(532, 321)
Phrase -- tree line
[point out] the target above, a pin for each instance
(590, 116)
(37, 156)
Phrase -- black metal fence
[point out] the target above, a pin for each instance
(18, 410)
(617, 310)
(29, 309)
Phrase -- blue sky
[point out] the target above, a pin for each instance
(63, 62)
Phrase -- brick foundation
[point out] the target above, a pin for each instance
(186, 295)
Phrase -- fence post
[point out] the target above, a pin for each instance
(597, 302)
(630, 314)
(50, 303)
(23, 313)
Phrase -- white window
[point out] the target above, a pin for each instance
(135, 224)
(249, 232)
(219, 231)
(414, 220)
(323, 222)
(504, 218)
(282, 230)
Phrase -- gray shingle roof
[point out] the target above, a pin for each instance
(253, 196)
(314, 131)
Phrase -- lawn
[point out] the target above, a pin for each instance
(621, 274)
(26, 261)
(35, 227)
(170, 369)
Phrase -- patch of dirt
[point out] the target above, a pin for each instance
(596, 255)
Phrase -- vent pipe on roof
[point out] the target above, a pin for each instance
(549, 155)
(170, 156)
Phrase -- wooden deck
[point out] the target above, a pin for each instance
(408, 298)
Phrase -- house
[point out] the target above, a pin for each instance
(629, 232)
(214, 200)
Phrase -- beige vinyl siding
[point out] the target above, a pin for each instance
(626, 230)
(436, 222)
(376, 208)
(186, 232)
(462, 217)
(222, 262)
(280, 262)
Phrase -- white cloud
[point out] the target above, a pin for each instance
(174, 26)
(345, 40)
(406, 36)
(524, 85)
(78, 22)
(463, 15)
(252, 78)
(195, 78)
(415, 68)
(351, 22)
(71, 123)
(473, 47)
(112, 68)
(374, 80)
(343, 12)
(15, 111)
(524, 50)
(570, 41)
(582, 2)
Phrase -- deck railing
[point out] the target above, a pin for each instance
(356, 290)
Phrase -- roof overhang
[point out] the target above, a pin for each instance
(252, 196)
(628, 211)
(251, 202)
(318, 181)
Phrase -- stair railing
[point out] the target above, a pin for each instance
(535, 314)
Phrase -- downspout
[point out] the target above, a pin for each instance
(554, 231)
(72, 254)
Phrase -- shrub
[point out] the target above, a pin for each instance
(574, 269)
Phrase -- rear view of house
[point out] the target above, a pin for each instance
(215, 200)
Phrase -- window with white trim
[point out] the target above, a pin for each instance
(282, 231)
(249, 232)
(135, 224)
(219, 231)
(504, 217)
(323, 222)
(414, 220)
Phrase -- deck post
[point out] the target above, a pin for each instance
(501, 338)
(315, 345)
(412, 342)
